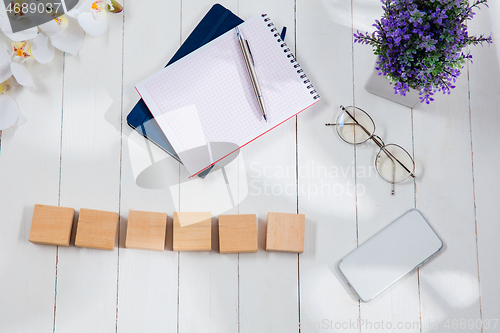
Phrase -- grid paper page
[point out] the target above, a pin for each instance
(205, 103)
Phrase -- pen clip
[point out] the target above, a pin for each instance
(250, 52)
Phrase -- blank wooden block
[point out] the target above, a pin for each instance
(51, 225)
(96, 229)
(238, 233)
(146, 230)
(285, 232)
(193, 237)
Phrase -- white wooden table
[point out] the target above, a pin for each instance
(76, 150)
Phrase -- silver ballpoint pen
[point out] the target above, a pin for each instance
(247, 55)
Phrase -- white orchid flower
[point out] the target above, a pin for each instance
(91, 15)
(10, 115)
(11, 64)
(64, 33)
(11, 67)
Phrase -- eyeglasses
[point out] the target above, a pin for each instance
(393, 163)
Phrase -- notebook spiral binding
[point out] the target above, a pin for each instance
(290, 55)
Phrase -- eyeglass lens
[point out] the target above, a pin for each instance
(355, 126)
(394, 164)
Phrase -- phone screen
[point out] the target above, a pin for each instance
(389, 255)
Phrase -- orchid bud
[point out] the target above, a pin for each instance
(115, 7)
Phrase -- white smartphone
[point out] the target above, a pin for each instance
(389, 255)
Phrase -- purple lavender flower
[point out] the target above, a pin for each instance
(419, 43)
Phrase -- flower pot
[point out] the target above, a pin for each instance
(381, 86)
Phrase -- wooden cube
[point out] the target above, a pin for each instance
(146, 230)
(193, 237)
(285, 232)
(238, 233)
(96, 229)
(51, 225)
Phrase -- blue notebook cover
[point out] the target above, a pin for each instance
(216, 22)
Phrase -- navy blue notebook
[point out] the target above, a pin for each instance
(216, 22)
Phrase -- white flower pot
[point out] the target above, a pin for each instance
(381, 86)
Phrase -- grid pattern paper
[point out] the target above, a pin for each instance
(214, 82)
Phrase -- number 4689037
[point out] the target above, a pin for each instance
(32, 8)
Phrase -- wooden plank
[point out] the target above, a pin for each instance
(484, 99)
(29, 169)
(90, 178)
(147, 289)
(326, 166)
(208, 281)
(268, 282)
(449, 290)
(376, 207)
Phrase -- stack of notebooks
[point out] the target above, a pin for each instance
(202, 107)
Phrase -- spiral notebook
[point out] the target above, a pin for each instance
(205, 104)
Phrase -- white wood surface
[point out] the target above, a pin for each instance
(268, 285)
(77, 150)
(90, 178)
(147, 282)
(484, 107)
(29, 165)
(376, 207)
(326, 196)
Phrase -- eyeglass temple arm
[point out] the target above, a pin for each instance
(377, 142)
